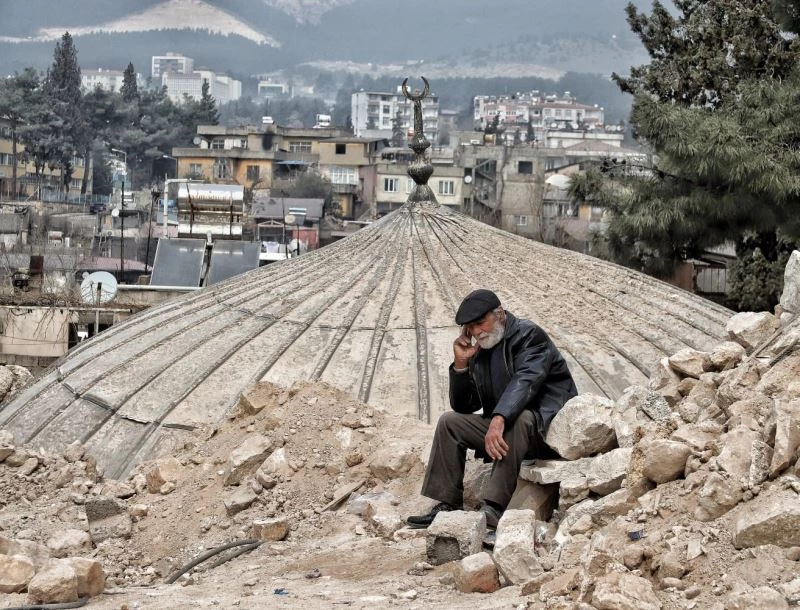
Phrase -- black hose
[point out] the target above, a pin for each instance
(252, 544)
(65, 606)
(240, 551)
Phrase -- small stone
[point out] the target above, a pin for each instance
(793, 553)
(726, 355)
(692, 592)
(29, 466)
(138, 511)
(393, 460)
(619, 591)
(246, 458)
(162, 471)
(672, 583)
(74, 452)
(270, 529)
(167, 488)
(665, 460)
(690, 362)
(108, 518)
(90, 575)
(239, 500)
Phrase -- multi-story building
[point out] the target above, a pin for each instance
(373, 114)
(110, 80)
(269, 89)
(27, 180)
(222, 87)
(171, 62)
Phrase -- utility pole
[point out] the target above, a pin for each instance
(122, 236)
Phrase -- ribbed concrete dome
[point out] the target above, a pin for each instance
(371, 314)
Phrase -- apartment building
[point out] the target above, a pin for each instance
(373, 114)
(110, 80)
(222, 87)
(171, 62)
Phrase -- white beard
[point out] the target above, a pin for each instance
(492, 338)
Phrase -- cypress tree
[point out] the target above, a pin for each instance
(207, 112)
(130, 89)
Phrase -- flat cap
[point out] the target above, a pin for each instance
(476, 305)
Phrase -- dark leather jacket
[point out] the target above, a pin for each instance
(538, 377)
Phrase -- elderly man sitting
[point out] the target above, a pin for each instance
(510, 370)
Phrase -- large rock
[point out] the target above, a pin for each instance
(541, 499)
(740, 447)
(621, 591)
(246, 458)
(666, 382)
(16, 572)
(257, 396)
(238, 500)
(64, 543)
(726, 355)
(476, 574)
(454, 535)
(514, 551)
(108, 518)
(394, 460)
(7, 444)
(584, 426)
(167, 470)
(57, 583)
(762, 598)
(90, 574)
(790, 298)
(739, 384)
(601, 474)
(778, 381)
(275, 464)
(696, 436)
(718, 495)
(787, 434)
(769, 519)
(751, 328)
(665, 460)
(636, 405)
(37, 553)
(690, 362)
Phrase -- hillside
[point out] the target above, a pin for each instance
(241, 35)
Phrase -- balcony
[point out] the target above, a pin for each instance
(346, 189)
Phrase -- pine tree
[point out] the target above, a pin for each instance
(207, 112)
(718, 107)
(130, 88)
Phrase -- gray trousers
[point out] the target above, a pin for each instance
(457, 432)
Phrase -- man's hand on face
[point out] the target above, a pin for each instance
(463, 349)
(496, 448)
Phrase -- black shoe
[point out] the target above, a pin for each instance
(492, 516)
(423, 521)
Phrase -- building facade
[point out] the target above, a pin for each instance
(222, 87)
(373, 115)
(110, 80)
(171, 62)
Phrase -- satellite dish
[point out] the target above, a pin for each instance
(290, 219)
(101, 282)
(115, 212)
(467, 179)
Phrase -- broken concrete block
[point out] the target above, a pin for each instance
(601, 474)
(694, 436)
(690, 362)
(476, 574)
(541, 499)
(787, 435)
(37, 553)
(270, 529)
(74, 452)
(750, 328)
(16, 572)
(620, 591)
(666, 382)
(394, 460)
(606, 471)
(762, 598)
(726, 355)
(740, 384)
(665, 460)
(644, 401)
(275, 464)
(514, 551)
(239, 500)
(162, 471)
(7, 444)
(246, 458)
(718, 495)
(65, 543)
(584, 426)
(256, 397)
(768, 519)
(108, 518)
(760, 459)
(57, 583)
(90, 574)
(386, 523)
(454, 535)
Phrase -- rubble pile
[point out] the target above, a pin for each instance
(683, 494)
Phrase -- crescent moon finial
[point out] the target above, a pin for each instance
(416, 97)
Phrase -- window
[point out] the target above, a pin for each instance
(300, 147)
(558, 113)
(253, 172)
(342, 175)
(218, 144)
(447, 187)
(387, 110)
(222, 169)
(520, 221)
(525, 167)
(548, 112)
(391, 185)
(195, 169)
(243, 143)
(5, 159)
(341, 149)
(409, 185)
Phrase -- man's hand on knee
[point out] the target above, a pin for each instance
(493, 443)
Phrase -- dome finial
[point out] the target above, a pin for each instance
(419, 169)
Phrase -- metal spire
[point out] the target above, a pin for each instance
(419, 170)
